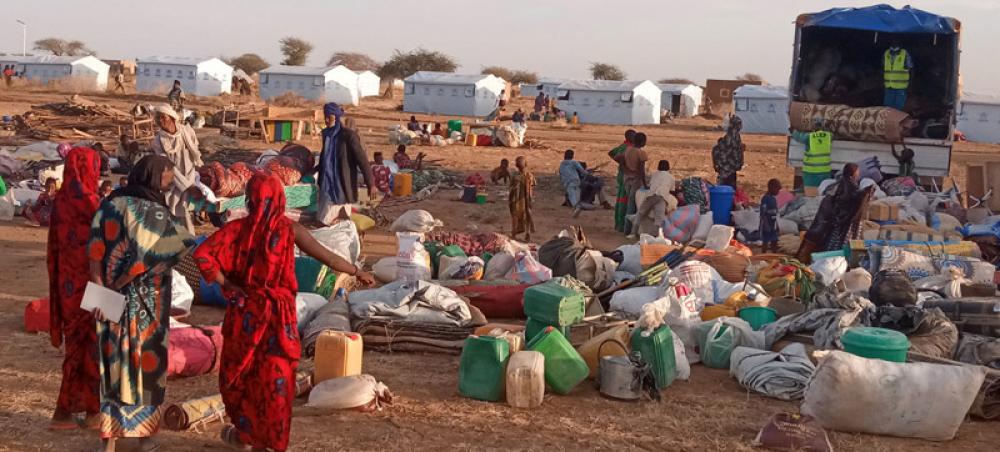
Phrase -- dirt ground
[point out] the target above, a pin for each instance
(709, 412)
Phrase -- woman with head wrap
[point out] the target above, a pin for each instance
(839, 216)
(75, 205)
(178, 142)
(727, 155)
(340, 161)
(253, 258)
(134, 242)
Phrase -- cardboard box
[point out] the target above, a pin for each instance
(811, 192)
(882, 212)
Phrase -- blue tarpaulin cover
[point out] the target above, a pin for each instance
(882, 18)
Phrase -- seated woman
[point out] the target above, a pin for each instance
(253, 259)
(839, 217)
(39, 212)
(413, 125)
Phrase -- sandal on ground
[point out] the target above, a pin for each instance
(231, 437)
(68, 424)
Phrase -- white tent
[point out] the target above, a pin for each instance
(610, 102)
(324, 84)
(198, 76)
(979, 117)
(763, 108)
(452, 94)
(681, 99)
(88, 72)
(546, 85)
(368, 84)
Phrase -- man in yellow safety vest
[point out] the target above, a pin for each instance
(816, 158)
(896, 69)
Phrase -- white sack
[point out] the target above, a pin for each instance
(349, 392)
(420, 221)
(499, 265)
(913, 400)
(342, 239)
(181, 295)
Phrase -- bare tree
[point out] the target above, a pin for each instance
(498, 71)
(354, 61)
(251, 63)
(61, 47)
(677, 81)
(605, 71)
(296, 51)
(750, 77)
(405, 64)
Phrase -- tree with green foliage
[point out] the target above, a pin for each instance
(404, 64)
(605, 71)
(355, 61)
(296, 51)
(522, 76)
(251, 63)
(677, 81)
(750, 77)
(498, 71)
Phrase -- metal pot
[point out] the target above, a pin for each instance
(619, 377)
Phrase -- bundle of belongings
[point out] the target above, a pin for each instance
(878, 124)
(413, 316)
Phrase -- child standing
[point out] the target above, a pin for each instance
(769, 217)
(521, 188)
(380, 173)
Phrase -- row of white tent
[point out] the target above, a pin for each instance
(200, 76)
(593, 101)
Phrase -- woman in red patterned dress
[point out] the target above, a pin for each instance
(69, 231)
(254, 260)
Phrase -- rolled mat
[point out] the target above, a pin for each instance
(184, 415)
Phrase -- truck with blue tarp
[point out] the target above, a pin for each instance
(879, 79)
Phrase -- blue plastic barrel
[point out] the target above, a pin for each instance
(721, 201)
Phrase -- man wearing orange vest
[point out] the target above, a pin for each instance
(897, 65)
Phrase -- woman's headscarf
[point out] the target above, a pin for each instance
(261, 238)
(144, 180)
(75, 205)
(329, 171)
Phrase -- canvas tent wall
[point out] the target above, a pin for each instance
(611, 102)
(979, 118)
(198, 76)
(452, 94)
(546, 85)
(323, 84)
(763, 109)
(87, 73)
(368, 84)
(682, 100)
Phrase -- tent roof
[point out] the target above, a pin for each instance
(674, 87)
(367, 73)
(602, 85)
(48, 59)
(881, 18)
(184, 61)
(761, 92)
(447, 78)
(296, 70)
(985, 99)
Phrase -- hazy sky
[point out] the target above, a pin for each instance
(649, 39)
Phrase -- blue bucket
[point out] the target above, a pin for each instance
(721, 201)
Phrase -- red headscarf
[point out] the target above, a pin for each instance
(258, 254)
(74, 207)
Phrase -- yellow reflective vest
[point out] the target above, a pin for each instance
(897, 76)
(817, 157)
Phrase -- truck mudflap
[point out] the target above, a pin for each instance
(932, 157)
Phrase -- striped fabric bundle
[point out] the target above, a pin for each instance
(193, 413)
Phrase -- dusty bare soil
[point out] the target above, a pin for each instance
(710, 412)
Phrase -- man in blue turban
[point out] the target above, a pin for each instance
(340, 161)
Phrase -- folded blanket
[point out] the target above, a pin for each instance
(783, 375)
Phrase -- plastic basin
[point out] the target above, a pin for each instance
(758, 316)
(876, 343)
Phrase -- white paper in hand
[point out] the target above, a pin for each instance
(111, 303)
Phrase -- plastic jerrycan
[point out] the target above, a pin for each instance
(657, 349)
(482, 368)
(338, 354)
(564, 367)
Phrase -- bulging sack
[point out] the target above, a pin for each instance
(357, 392)
(419, 221)
(914, 400)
